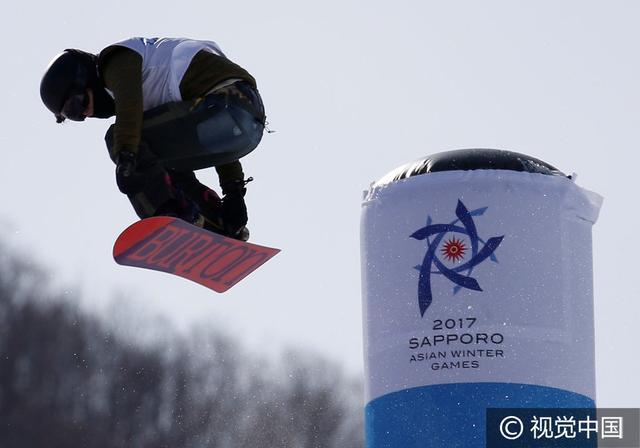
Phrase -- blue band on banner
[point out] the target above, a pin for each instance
(453, 415)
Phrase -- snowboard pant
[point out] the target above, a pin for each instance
(179, 138)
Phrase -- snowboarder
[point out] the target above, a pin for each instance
(180, 105)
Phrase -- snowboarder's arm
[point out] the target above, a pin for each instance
(122, 72)
(229, 172)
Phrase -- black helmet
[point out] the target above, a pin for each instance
(70, 73)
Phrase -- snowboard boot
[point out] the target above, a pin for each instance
(211, 212)
(242, 234)
(213, 222)
(217, 226)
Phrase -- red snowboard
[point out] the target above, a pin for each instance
(172, 245)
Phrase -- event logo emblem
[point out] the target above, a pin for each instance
(456, 241)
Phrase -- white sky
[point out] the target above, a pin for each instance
(354, 89)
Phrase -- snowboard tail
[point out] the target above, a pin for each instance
(171, 245)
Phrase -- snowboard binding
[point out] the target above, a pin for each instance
(215, 224)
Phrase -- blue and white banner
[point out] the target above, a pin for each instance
(477, 292)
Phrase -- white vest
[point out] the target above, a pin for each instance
(164, 63)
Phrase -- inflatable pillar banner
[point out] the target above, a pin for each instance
(477, 293)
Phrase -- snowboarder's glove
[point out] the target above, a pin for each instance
(234, 209)
(129, 182)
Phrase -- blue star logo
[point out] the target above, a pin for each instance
(454, 250)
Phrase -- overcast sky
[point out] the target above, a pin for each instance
(353, 89)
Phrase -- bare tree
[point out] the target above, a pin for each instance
(67, 379)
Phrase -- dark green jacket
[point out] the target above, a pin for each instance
(121, 69)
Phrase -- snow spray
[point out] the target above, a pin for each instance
(477, 293)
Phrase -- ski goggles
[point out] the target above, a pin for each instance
(75, 106)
